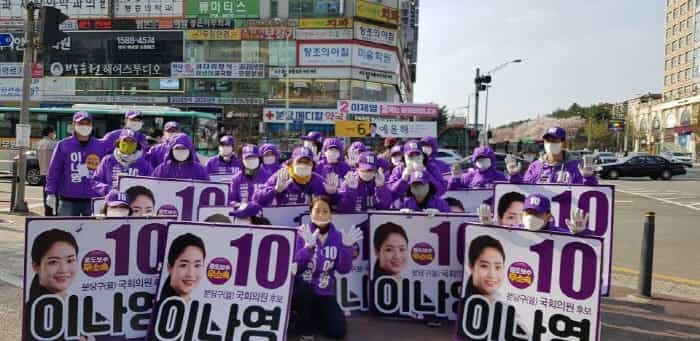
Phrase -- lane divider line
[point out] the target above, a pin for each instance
(667, 278)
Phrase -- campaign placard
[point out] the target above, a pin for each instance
(88, 277)
(351, 288)
(172, 197)
(206, 213)
(529, 285)
(597, 201)
(471, 198)
(285, 215)
(225, 282)
(415, 267)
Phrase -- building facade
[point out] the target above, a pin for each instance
(235, 58)
(680, 72)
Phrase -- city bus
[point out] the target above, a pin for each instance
(201, 126)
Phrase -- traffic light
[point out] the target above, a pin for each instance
(481, 82)
(49, 20)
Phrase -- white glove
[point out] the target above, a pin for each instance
(331, 183)
(513, 166)
(353, 236)
(456, 171)
(283, 180)
(308, 237)
(484, 213)
(293, 268)
(431, 212)
(586, 167)
(578, 221)
(562, 177)
(379, 178)
(51, 201)
(352, 180)
(407, 169)
(405, 210)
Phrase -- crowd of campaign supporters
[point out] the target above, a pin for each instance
(321, 172)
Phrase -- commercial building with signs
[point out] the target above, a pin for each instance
(231, 57)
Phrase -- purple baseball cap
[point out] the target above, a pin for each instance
(171, 125)
(115, 198)
(251, 209)
(412, 146)
(132, 114)
(333, 143)
(82, 115)
(537, 202)
(126, 134)
(418, 176)
(396, 150)
(314, 136)
(302, 152)
(556, 133)
(249, 150)
(368, 161)
(358, 146)
(227, 140)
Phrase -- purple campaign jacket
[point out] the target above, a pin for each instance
(398, 186)
(542, 171)
(476, 179)
(189, 169)
(294, 194)
(317, 269)
(217, 165)
(367, 196)
(110, 169)
(111, 138)
(440, 165)
(553, 228)
(323, 168)
(243, 186)
(432, 202)
(156, 154)
(72, 167)
(273, 168)
(384, 164)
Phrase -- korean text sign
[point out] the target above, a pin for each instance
(352, 128)
(180, 198)
(222, 9)
(341, 54)
(239, 283)
(415, 270)
(405, 129)
(217, 70)
(89, 277)
(387, 109)
(318, 116)
(525, 285)
(597, 201)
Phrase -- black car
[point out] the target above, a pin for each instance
(33, 174)
(640, 166)
(466, 163)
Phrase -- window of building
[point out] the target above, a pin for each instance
(315, 8)
(668, 48)
(197, 51)
(673, 78)
(689, 56)
(688, 39)
(274, 9)
(250, 51)
(282, 53)
(682, 9)
(675, 14)
(666, 80)
(687, 73)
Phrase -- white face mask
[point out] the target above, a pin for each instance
(117, 212)
(353, 158)
(396, 160)
(415, 161)
(420, 190)
(366, 176)
(302, 170)
(134, 125)
(552, 148)
(181, 154)
(483, 163)
(332, 155)
(269, 160)
(251, 163)
(532, 222)
(320, 223)
(83, 130)
(428, 150)
(225, 151)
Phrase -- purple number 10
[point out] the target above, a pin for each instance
(244, 245)
(122, 241)
(545, 250)
(187, 196)
(584, 202)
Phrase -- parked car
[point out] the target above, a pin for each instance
(466, 163)
(678, 157)
(33, 174)
(604, 157)
(448, 156)
(640, 166)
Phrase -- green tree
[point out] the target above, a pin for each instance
(598, 134)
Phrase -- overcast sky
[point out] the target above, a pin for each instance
(573, 51)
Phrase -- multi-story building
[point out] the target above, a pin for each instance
(236, 58)
(680, 73)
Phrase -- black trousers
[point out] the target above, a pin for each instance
(316, 312)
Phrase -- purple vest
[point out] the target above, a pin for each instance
(318, 266)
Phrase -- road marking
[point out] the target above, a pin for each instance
(660, 199)
(623, 201)
(667, 278)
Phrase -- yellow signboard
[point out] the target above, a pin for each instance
(352, 128)
(234, 34)
(326, 23)
(377, 12)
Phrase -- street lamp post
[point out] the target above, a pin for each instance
(486, 104)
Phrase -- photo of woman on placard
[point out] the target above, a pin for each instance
(510, 209)
(185, 267)
(141, 201)
(391, 247)
(486, 267)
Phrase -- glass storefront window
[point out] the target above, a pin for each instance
(235, 88)
(300, 89)
(315, 8)
(197, 51)
(126, 86)
(282, 53)
(325, 91)
(250, 51)
(374, 92)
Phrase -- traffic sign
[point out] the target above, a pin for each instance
(6, 39)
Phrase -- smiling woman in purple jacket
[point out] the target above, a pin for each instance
(322, 251)
(180, 162)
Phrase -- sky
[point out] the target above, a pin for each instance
(573, 51)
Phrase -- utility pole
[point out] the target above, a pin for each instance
(27, 59)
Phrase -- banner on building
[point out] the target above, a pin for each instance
(526, 285)
(597, 201)
(11, 88)
(16, 70)
(471, 199)
(351, 107)
(15, 9)
(87, 277)
(376, 12)
(376, 34)
(388, 3)
(234, 34)
(215, 100)
(238, 283)
(217, 70)
(310, 72)
(403, 129)
(352, 128)
(306, 116)
(267, 33)
(171, 197)
(324, 34)
(375, 76)
(416, 264)
(222, 9)
(341, 54)
(325, 23)
(148, 9)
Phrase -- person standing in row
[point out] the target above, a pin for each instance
(73, 164)
(332, 160)
(226, 162)
(44, 150)
(180, 162)
(270, 157)
(244, 183)
(133, 120)
(156, 154)
(126, 159)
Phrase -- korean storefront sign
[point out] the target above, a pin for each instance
(267, 33)
(11, 88)
(234, 34)
(217, 70)
(222, 9)
(357, 55)
(15, 70)
(404, 129)
(375, 76)
(324, 34)
(14, 9)
(326, 23)
(375, 34)
(352, 128)
(316, 116)
(147, 9)
(377, 12)
(310, 72)
(351, 107)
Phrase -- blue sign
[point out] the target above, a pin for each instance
(6, 39)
